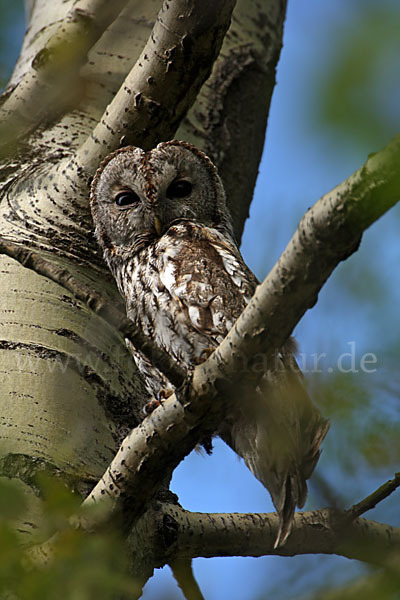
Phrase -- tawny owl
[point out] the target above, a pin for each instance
(166, 234)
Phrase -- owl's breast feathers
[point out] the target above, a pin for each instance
(186, 289)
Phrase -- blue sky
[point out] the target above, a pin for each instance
(304, 158)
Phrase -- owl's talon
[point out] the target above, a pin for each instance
(150, 406)
(156, 402)
(206, 353)
(164, 394)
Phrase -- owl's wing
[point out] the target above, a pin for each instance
(288, 440)
(280, 438)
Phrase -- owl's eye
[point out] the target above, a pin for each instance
(179, 189)
(126, 199)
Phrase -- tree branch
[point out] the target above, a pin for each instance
(229, 117)
(174, 536)
(164, 82)
(325, 531)
(183, 572)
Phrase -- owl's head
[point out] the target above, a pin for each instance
(136, 196)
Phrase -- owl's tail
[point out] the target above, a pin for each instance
(289, 465)
(279, 434)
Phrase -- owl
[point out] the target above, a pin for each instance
(162, 221)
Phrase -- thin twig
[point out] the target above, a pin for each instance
(373, 499)
(112, 315)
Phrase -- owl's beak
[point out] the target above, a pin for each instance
(157, 225)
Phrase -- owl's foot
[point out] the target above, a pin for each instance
(164, 394)
(150, 406)
(156, 402)
(206, 353)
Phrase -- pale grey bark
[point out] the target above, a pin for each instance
(326, 531)
(178, 56)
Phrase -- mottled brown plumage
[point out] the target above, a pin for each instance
(166, 233)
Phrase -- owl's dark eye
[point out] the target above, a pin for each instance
(126, 199)
(179, 189)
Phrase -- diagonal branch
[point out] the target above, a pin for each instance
(46, 87)
(164, 82)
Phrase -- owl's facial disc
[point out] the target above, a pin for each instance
(140, 195)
